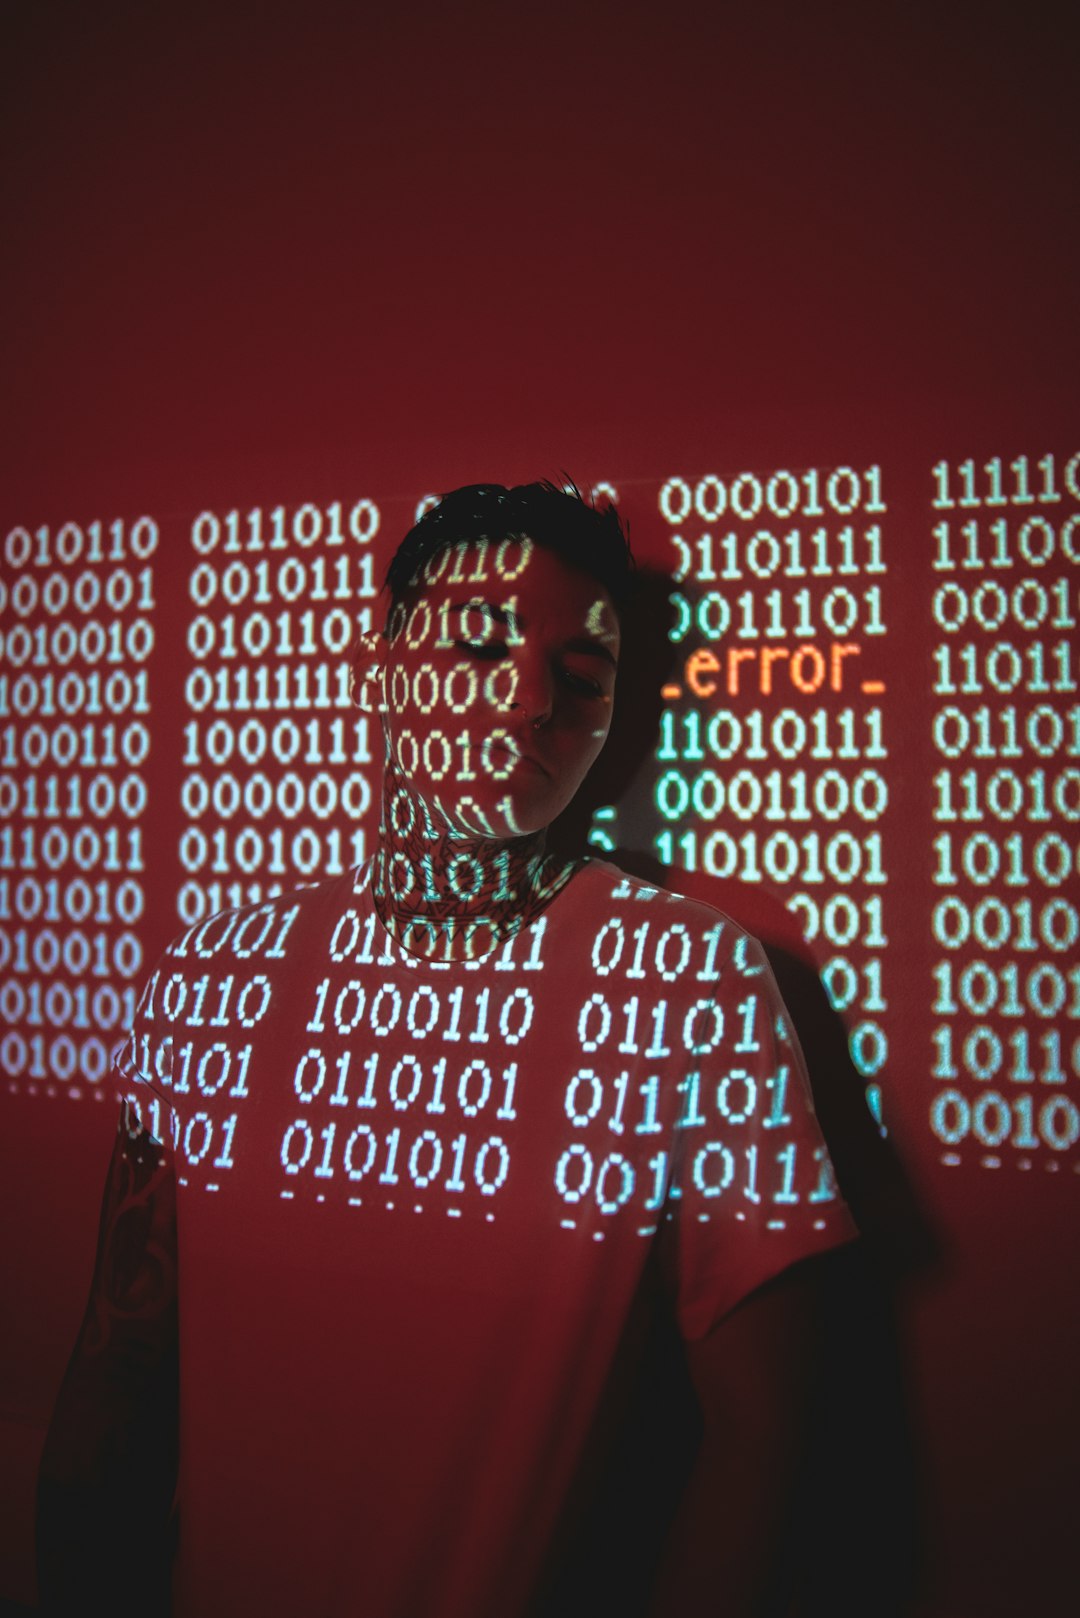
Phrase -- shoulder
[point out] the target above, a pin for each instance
(270, 929)
(233, 962)
(260, 942)
(606, 895)
(600, 882)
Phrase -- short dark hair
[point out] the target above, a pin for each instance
(556, 516)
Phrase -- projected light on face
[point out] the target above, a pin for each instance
(498, 684)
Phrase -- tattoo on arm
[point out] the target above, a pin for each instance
(132, 1304)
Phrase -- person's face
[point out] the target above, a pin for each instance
(498, 685)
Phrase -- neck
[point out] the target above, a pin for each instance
(444, 888)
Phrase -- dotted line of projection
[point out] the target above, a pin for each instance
(954, 1160)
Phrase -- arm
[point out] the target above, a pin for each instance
(753, 1375)
(108, 1469)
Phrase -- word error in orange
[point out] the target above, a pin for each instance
(746, 670)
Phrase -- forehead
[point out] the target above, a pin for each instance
(544, 591)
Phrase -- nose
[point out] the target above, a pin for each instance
(532, 692)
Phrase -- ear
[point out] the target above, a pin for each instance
(367, 685)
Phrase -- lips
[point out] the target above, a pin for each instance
(517, 752)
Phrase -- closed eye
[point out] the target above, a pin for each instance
(582, 684)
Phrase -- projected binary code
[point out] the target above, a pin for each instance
(788, 721)
(274, 800)
(418, 1096)
(1005, 803)
(78, 605)
(773, 754)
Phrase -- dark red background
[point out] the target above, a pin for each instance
(276, 252)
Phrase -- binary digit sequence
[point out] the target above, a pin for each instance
(772, 764)
(1005, 802)
(278, 761)
(77, 608)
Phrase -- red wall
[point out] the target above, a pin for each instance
(275, 253)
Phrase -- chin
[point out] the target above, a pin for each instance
(492, 808)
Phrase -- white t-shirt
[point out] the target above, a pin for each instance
(418, 1206)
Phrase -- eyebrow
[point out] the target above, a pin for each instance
(592, 648)
(579, 643)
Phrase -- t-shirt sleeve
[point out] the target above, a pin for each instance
(754, 1189)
